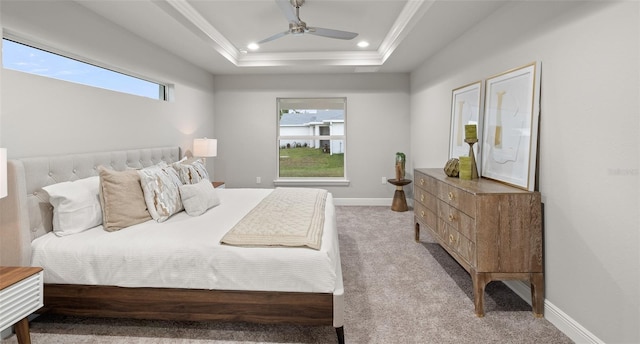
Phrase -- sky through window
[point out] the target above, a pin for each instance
(31, 60)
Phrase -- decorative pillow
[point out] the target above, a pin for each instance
(198, 198)
(122, 200)
(76, 205)
(191, 172)
(160, 187)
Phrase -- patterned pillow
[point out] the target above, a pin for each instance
(160, 185)
(191, 172)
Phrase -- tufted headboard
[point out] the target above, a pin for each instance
(26, 213)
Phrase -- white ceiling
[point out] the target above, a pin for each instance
(213, 34)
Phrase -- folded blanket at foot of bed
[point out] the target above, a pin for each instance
(291, 217)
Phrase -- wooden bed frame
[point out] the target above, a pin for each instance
(26, 214)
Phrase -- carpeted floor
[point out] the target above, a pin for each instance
(396, 291)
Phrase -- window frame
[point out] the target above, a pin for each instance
(165, 90)
(311, 181)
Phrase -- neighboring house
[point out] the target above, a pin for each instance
(321, 122)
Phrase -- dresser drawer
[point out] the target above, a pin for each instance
(458, 220)
(429, 200)
(20, 300)
(425, 182)
(425, 216)
(458, 198)
(461, 245)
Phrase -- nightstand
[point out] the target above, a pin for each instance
(20, 295)
(218, 185)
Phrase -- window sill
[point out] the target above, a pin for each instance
(311, 182)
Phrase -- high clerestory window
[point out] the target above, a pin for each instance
(33, 60)
(312, 141)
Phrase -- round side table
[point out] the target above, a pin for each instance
(399, 199)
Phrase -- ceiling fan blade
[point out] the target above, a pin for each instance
(318, 31)
(288, 10)
(276, 36)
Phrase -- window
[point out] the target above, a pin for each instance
(25, 58)
(311, 141)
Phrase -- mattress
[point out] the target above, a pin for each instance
(185, 252)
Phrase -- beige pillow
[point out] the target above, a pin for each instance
(121, 198)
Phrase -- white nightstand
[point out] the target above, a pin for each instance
(20, 295)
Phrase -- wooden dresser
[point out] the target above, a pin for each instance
(493, 230)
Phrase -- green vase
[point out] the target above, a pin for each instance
(400, 163)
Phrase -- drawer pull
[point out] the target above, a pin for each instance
(421, 181)
(422, 198)
(422, 213)
(451, 217)
(450, 196)
(451, 238)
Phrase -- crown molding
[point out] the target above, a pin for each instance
(189, 17)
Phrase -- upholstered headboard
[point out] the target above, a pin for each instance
(26, 213)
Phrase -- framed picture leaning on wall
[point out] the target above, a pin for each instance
(510, 129)
(466, 108)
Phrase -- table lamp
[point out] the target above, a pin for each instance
(204, 148)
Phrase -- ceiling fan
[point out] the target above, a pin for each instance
(291, 10)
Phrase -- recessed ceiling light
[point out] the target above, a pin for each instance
(253, 46)
(363, 44)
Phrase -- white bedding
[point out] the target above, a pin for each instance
(185, 252)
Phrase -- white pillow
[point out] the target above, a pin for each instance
(76, 205)
(161, 194)
(198, 198)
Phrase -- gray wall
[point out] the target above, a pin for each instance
(43, 116)
(377, 126)
(589, 146)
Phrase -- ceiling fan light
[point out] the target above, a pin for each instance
(363, 44)
(253, 46)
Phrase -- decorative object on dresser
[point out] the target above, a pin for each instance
(510, 129)
(466, 109)
(20, 295)
(452, 167)
(493, 230)
(471, 138)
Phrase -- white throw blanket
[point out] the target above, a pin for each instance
(287, 217)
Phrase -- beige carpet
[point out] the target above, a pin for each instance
(396, 291)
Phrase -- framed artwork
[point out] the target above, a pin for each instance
(466, 103)
(510, 129)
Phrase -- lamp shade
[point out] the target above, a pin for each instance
(3, 172)
(205, 147)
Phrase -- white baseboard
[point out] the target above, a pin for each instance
(557, 317)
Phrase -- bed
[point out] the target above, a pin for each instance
(173, 270)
